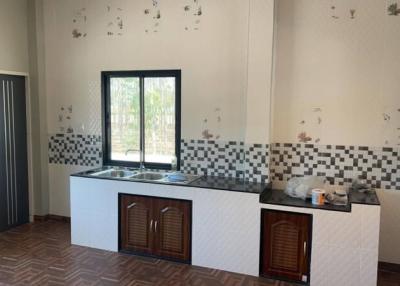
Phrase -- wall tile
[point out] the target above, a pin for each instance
(256, 164)
(379, 167)
(75, 149)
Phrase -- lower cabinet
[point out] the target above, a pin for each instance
(156, 226)
(285, 245)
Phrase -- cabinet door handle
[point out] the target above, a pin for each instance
(131, 205)
(155, 226)
(305, 248)
(151, 225)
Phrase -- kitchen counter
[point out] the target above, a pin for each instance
(226, 224)
(368, 198)
(278, 197)
(205, 182)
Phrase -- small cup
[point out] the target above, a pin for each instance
(318, 197)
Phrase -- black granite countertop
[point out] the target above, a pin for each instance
(206, 182)
(267, 194)
(278, 197)
(229, 184)
(367, 198)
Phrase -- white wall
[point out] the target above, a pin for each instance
(349, 68)
(213, 59)
(14, 36)
(389, 250)
(222, 61)
(260, 56)
(39, 136)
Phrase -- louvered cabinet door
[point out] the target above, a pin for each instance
(137, 224)
(285, 245)
(173, 221)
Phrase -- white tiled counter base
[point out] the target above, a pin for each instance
(344, 245)
(225, 225)
(226, 229)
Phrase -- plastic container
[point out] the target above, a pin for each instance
(318, 197)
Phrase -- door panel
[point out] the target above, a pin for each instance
(136, 224)
(13, 152)
(285, 245)
(172, 228)
(20, 154)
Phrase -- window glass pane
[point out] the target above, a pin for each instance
(125, 119)
(159, 101)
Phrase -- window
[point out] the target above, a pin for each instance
(141, 121)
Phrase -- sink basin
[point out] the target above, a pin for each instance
(115, 174)
(158, 176)
(148, 176)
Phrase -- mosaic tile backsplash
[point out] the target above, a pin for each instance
(225, 158)
(75, 149)
(380, 167)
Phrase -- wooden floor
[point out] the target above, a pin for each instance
(41, 254)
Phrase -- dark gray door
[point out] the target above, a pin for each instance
(14, 207)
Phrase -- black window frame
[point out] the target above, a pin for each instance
(106, 120)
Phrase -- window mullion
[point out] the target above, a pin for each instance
(142, 131)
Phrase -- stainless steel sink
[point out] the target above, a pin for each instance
(115, 173)
(148, 176)
(159, 176)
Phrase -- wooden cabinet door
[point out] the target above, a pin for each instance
(137, 224)
(285, 245)
(173, 227)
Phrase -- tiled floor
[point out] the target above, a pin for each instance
(41, 254)
(388, 278)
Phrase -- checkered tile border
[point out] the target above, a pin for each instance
(380, 167)
(212, 158)
(231, 159)
(75, 149)
(256, 167)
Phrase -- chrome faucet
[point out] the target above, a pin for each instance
(141, 166)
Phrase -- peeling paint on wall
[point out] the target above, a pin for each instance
(393, 9)
(390, 126)
(76, 33)
(193, 12)
(155, 13)
(115, 22)
(352, 13)
(335, 12)
(310, 123)
(303, 137)
(216, 122)
(206, 134)
(79, 21)
(64, 119)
